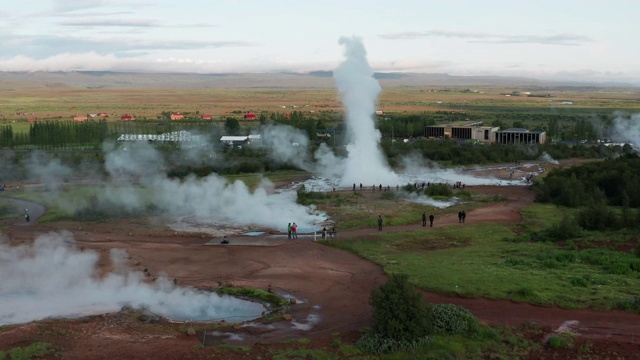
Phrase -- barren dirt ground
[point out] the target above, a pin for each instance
(332, 289)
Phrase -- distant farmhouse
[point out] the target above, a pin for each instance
(207, 117)
(177, 116)
(126, 118)
(475, 130)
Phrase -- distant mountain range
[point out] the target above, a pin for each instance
(315, 79)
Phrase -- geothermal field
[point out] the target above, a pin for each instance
(139, 279)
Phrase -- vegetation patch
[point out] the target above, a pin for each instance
(36, 350)
(257, 294)
(421, 244)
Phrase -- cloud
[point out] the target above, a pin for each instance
(112, 22)
(100, 21)
(40, 47)
(74, 5)
(555, 39)
(137, 62)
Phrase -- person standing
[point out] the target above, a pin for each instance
(289, 231)
(294, 230)
(379, 222)
(459, 216)
(464, 215)
(424, 219)
(431, 217)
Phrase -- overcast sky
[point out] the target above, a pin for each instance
(548, 39)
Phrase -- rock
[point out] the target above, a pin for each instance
(293, 300)
(237, 326)
(143, 318)
(287, 317)
(191, 331)
(126, 308)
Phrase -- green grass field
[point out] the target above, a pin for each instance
(478, 260)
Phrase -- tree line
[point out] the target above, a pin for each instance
(613, 182)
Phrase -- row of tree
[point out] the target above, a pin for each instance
(616, 181)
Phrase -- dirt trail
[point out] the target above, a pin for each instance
(502, 212)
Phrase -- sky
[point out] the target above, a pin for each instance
(544, 39)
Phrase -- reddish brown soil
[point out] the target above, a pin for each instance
(329, 283)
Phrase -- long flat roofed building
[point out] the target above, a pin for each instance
(470, 130)
(520, 136)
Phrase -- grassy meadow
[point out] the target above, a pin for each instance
(485, 260)
(45, 101)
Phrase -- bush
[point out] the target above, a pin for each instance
(449, 319)
(399, 311)
(630, 305)
(376, 344)
(388, 195)
(566, 229)
(597, 217)
(309, 197)
(438, 190)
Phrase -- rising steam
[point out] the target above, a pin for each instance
(359, 89)
(209, 200)
(52, 278)
(627, 129)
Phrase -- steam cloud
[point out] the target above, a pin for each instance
(52, 278)
(627, 129)
(210, 200)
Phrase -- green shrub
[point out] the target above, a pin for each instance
(399, 311)
(449, 319)
(630, 305)
(562, 341)
(34, 351)
(567, 228)
(377, 344)
(579, 281)
(438, 190)
(308, 197)
(597, 217)
(388, 195)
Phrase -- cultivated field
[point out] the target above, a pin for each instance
(66, 98)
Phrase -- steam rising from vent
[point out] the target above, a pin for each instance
(359, 89)
(627, 129)
(53, 278)
(546, 157)
(208, 200)
(287, 145)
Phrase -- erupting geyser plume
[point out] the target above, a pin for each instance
(366, 162)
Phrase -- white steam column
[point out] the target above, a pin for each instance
(366, 162)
